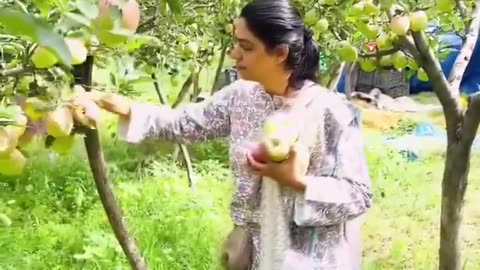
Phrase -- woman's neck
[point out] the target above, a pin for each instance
(277, 85)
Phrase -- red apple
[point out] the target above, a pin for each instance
(258, 152)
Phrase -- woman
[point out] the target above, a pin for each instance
(277, 60)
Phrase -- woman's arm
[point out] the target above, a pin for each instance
(190, 123)
(340, 194)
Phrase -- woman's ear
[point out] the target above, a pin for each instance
(281, 53)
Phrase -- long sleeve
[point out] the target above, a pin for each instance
(338, 189)
(192, 122)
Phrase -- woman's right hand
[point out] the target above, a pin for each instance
(110, 102)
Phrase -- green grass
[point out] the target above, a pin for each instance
(58, 221)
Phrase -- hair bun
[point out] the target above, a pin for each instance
(307, 35)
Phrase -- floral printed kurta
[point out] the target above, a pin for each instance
(338, 190)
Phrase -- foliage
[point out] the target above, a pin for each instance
(58, 223)
(41, 41)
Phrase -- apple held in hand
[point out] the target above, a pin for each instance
(279, 135)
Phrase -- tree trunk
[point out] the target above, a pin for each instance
(336, 75)
(183, 148)
(221, 61)
(454, 185)
(184, 90)
(83, 76)
(461, 131)
(456, 75)
(351, 79)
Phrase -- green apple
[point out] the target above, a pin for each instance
(280, 133)
(13, 164)
(418, 20)
(347, 51)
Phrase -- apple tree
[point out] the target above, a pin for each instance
(47, 54)
(403, 34)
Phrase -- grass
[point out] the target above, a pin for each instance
(59, 223)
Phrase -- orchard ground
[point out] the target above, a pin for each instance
(59, 223)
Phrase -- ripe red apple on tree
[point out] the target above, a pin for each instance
(130, 12)
(400, 25)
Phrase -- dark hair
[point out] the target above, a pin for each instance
(278, 22)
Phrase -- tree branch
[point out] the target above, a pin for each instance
(380, 53)
(221, 61)
(83, 75)
(431, 65)
(147, 25)
(186, 155)
(462, 8)
(463, 58)
(471, 120)
(183, 91)
(18, 71)
(409, 44)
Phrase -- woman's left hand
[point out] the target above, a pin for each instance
(290, 172)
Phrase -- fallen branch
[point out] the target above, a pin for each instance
(83, 76)
(463, 58)
(183, 148)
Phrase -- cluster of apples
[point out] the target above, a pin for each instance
(279, 133)
(58, 122)
(130, 12)
(416, 21)
(43, 58)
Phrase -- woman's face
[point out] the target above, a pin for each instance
(252, 60)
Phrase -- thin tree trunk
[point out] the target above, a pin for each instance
(83, 76)
(351, 80)
(196, 86)
(336, 75)
(193, 98)
(461, 132)
(221, 61)
(184, 90)
(180, 97)
(463, 58)
(454, 185)
(182, 147)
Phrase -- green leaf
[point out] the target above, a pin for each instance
(174, 5)
(87, 8)
(7, 114)
(77, 18)
(7, 222)
(45, 7)
(25, 25)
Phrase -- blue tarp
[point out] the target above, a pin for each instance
(471, 78)
(425, 139)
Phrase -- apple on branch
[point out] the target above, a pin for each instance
(12, 164)
(400, 25)
(59, 122)
(8, 141)
(418, 20)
